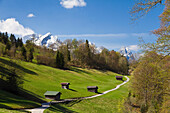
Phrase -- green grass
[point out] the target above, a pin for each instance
(11, 101)
(2, 110)
(105, 104)
(39, 78)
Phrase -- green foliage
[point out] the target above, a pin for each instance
(150, 80)
(75, 44)
(19, 42)
(72, 52)
(30, 55)
(87, 53)
(8, 46)
(4, 38)
(59, 59)
(144, 108)
(68, 54)
(120, 106)
(2, 49)
(45, 60)
(123, 65)
(30, 50)
(13, 40)
(23, 53)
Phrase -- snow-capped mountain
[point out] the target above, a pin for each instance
(51, 41)
(127, 53)
(47, 40)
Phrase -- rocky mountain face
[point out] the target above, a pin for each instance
(127, 53)
(50, 41)
(47, 40)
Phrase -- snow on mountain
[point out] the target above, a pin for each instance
(30, 37)
(51, 41)
(125, 51)
(97, 49)
(47, 40)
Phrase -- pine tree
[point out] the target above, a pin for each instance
(19, 42)
(0, 37)
(8, 46)
(59, 60)
(62, 60)
(68, 54)
(30, 55)
(87, 52)
(23, 53)
(13, 40)
(4, 38)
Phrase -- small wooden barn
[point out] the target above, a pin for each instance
(65, 85)
(92, 89)
(119, 77)
(53, 95)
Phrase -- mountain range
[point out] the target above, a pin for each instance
(47, 40)
(53, 42)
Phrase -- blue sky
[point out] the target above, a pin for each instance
(104, 22)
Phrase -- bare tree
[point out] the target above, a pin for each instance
(142, 7)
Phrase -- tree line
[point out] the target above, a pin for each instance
(149, 89)
(71, 53)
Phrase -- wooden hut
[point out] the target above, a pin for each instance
(92, 89)
(65, 85)
(119, 77)
(53, 95)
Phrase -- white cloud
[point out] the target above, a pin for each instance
(10, 25)
(134, 47)
(140, 34)
(95, 35)
(30, 15)
(72, 3)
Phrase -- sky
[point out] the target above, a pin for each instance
(106, 23)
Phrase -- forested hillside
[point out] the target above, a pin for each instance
(70, 53)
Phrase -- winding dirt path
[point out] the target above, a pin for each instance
(46, 105)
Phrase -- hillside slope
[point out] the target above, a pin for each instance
(111, 102)
(39, 78)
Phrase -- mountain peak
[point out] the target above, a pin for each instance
(48, 40)
(125, 51)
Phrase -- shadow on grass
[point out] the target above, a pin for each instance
(62, 107)
(71, 103)
(78, 70)
(4, 71)
(5, 106)
(59, 108)
(14, 65)
(30, 96)
(8, 100)
(99, 93)
(72, 90)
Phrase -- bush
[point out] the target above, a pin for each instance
(2, 49)
(46, 61)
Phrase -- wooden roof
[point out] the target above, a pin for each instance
(65, 83)
(52, 93)
(92, 87)
(119, 76)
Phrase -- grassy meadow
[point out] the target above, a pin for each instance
(108, 103)
(40, 78)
